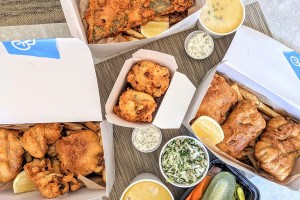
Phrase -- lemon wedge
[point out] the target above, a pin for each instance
(22, 183)
(152, 28)
(206, 127)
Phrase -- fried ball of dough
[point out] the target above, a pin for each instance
(80, 153)
(11, 155)
(37, 138)
(149, 77)
(135, 106)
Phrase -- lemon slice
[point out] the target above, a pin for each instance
(152, 28)
(22, 183)
(207, 127)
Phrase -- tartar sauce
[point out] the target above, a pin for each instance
(200, 46)
(146, 139)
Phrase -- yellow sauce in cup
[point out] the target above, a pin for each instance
(147, 190)
(222, 16)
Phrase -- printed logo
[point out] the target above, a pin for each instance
(294, 60)
(23, 46)
(39, 48)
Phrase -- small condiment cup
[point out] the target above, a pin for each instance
(189, 37)
(205, 153)
(146, 177)
(149, 150)
(216, 35)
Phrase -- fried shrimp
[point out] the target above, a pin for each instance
(135, 106)
(11, 155)
(37, 138)
(149, 77)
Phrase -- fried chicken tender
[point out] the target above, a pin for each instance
(241, 127)
(107, 18)
(49, 183)
(135, 106)
(219, 98)
(146, 76)
(80, 153)
(37, 138)
(11, 155)
(278, 148)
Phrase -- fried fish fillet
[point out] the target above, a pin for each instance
(135, 106)
(278, 148)
(80, 153)
(219, 98)
(149, 77)
(241, 127)
(107, 18)
(50, 183)
(37, 138)
(11, 155)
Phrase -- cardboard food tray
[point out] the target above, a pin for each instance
(250, 190)
(249, 68)
(170, 104)
(103, 52)
(36, 88)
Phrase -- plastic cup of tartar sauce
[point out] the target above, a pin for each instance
(199, 45)
(146, 139)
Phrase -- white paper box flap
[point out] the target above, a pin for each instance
(38, 89)
(176, 102)
(268, 63)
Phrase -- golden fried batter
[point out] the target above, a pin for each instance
(278, 148)
(219, 98)
(80, 153)
(49, 183)
(149, 77)
(241, 127)
(11, 155)
(37, 138)
(107, 18)
(135, 106)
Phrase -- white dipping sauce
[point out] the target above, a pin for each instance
(146, 139)
(200, 46)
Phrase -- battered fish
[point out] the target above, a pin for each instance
(37, 138)
(80, 153)
(241, 127)
(11, 155)
(146, 76)
(278, 148)
(219, 98)
(107, 18)
(135, 106)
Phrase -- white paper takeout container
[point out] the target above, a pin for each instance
(103, 52)
(45, 90)
(256, 62)
(171, 107)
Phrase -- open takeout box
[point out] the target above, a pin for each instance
(103, 52)
(172, 106)
(38, 88)
(261, 65)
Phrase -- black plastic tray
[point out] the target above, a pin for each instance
(251, 191)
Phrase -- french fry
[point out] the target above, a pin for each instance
(253, 161)
(93, 126)
(104, 175)
(236, 88)
(73, 126)
(110, 40)
(164, 18)
(260, 106)
(252, 143)
(130, 38)
(134, 34)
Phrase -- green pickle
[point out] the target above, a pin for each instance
(222, 187)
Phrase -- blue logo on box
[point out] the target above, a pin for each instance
(294, 59)
(40, 48)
